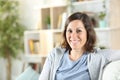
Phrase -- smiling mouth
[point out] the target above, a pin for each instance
(74, 41)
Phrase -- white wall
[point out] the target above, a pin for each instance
(2, 69)
(114, 13)
(114, 22)
(17, 66)
(29, 15)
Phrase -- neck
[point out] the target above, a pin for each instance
(76, 54)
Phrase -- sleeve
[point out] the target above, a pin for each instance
(115, 55)
(111, 55)
(45, 73)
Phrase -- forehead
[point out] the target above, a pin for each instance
(76, 24)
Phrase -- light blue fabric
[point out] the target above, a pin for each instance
(28, 74)
(72, 70)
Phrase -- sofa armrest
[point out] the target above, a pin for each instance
(112, 71)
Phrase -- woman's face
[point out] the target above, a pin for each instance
(76, 35)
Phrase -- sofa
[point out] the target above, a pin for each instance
(111, 72)
(28, 74)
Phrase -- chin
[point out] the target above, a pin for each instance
(74, 48)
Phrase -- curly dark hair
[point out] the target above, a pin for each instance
(91, 35)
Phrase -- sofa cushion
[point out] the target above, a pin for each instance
(28, 74)
(112, 71)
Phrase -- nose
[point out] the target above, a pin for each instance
(73, 35)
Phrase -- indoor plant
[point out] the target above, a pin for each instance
(11, 33)
(48, 22)
(102, 22)
(102, 15)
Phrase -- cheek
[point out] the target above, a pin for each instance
(84, 37)
(67, 36)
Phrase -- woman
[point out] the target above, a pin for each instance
(77, 58)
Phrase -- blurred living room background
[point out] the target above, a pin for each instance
(29, 29)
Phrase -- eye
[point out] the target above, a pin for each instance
(69, 31)
(78, 31)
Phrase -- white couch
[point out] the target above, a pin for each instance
(112, 71)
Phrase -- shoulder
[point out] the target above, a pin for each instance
(108, 54)
(98, 51)
(56, 52)
(55, 55)
(97, 58)
(99, 54)
(105, 51)
(59, 50)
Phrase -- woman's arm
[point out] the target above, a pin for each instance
(115, 55)
(111, 55)
(51, 64)
(45, 74)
